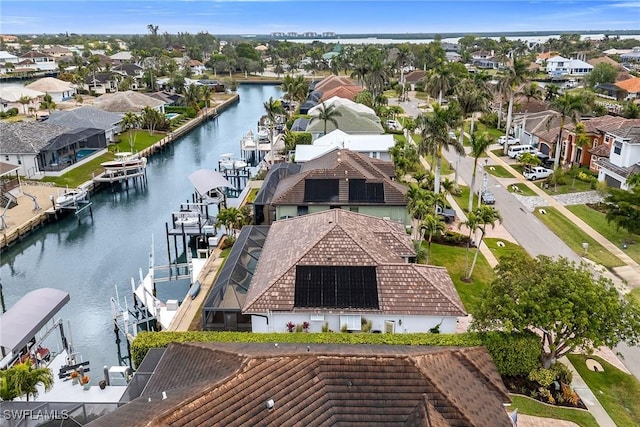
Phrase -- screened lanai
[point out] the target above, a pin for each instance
(223, 306)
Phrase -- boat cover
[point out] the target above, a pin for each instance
(205, 180)
(29, 315)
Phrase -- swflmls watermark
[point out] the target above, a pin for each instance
(35, 414)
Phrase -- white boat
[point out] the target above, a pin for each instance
(71, 197)
(125, 161)
(262, 133)
(187, 218)
(228, 161)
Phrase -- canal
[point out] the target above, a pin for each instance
(90, 260)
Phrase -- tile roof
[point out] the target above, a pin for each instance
(623, 171)
(320, 385)
(347, 92)
(332, 82)
(601, 124)
(340, 164)
(27, 137)
(540, 121)
(632, 133)
(126, 101)
(128, 68)
(85, 117)
(601, 150)
(605, 60)
(340, 237)
(415, 76)
(50, 84)
(349, 121)
(630, 85)
(35, 54)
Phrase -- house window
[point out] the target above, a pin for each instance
(6, 157)
(19, 160)
(595, 142)
(617, 147)
(303, 210)
(317, 317)
(352, 321)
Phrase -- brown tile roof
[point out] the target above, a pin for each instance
(35, 54)
(339, 164)
(415, 76)
(339, 237)
(632, 133)
(630, 85)
(322, 385)
(348, 92)
(605, 60)
(332, 82)
(601, 150)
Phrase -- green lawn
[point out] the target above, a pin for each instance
(86, 172)
(463, 199)
(569, 187)
(574, 237)
(453, 258)
(499, 171)
(524, 190)
(480, 127)
(508, 248)
(528, 406)
(498, 152)
(618, 392)
(635, 295)
(598, 222)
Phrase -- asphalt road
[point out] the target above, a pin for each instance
(525, 228)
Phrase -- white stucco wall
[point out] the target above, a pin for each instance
(403, 324)
(28, 162)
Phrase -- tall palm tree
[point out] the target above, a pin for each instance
(435, 128)
(24, 100)
(567, 105)
(530, 91)
(327, 114)
(192, 96)
(510, 82)
(486, 215)
(130, 122)
(431, 225)
(439, 81)
(479, 145)
(376, 77)
(403, 58)
(551, 92)
(273, 108)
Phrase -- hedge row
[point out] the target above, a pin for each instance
(511, 353)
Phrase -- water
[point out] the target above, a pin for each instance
(91, 259)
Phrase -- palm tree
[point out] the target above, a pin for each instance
(130, 122)
(47, 103)
(551, 92)
(486, 215)
(567, 105)
(403, 58)
(530, 91)
(515, 77)
(479, 145)
(273, 107)
(439, 81)
(435, 128)
(192, 96)
(472, 225)
(327, 114)
(24, 100)
(24, 378)
(430, 226)
(205, 96)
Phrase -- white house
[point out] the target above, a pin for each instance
(39, 61)
(374, 146)
(340, 270)
(7, 58)
(58, 89)
(559, 66)
(624, 157)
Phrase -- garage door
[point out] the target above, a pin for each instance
(612, 182)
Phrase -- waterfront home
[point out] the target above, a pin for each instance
(59, 90)
(347, 92)
(559, 66)
(262, 384)
(38, 61)
(128, 101)
(10, 97)
(343, 270)
(624, 157)
(339, 179)
(22, 141)
(374, 146)
(354, 118)
(100, 83)
(631, 87)
(88, 117)
(69, 148)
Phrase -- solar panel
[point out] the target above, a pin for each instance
(321, 190)
(336, 286)
(362, 191)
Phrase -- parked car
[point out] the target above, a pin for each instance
(392, 124)
(510, 141)
(449, 215)
(487, 198)
(514, 150)
(537, 172)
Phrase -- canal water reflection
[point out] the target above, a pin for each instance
(90, 260)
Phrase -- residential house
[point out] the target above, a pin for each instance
(62, 151)
(195, 66)
(39, 61)
(631, 87)
(128, 101)
(8, 62)
(347, 92)
(133, 71)
(354, 118)
(632, 57)
(340, 179)
(262, 384)
(57, 51)
(339, 269)
(487, 63)
(539, 129)
(482, 54)
(541, 58)
(121, 57)
(100, 83)
(559, 66)
(332, 82)
(624, 157)
(9, 184)
(374, 146)
(59, 90)
(595, 130)
(88, 117)
(22, 141)
(453, 56)
(10, 97)
(413, 77)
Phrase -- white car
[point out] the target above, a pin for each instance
(510, 141)
(537, 172)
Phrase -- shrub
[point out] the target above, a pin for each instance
(546, 396)
(325, 327)
(569, 395)
(544, 377)
(299, 328)
(562, 373)
(344, 328)
(290, 326)
(366, 325)
(513, 354)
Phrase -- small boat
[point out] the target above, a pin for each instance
(125, 161)
(71, 197)
(262, 133)
(187, 218)
(227, 161)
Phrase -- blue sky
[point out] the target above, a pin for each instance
(264, 16)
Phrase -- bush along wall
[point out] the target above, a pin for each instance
(497, 343)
